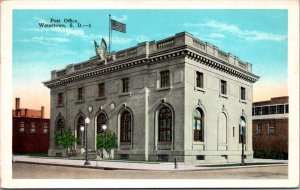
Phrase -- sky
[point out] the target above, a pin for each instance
(255, 36)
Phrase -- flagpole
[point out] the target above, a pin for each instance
(109, 38)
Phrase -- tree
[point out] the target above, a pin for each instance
(107, 141)
(65, 139)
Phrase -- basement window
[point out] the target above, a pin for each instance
(200, 157)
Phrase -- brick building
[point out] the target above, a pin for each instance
(30, 130)
(270, 125)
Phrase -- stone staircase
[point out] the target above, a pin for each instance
(81, 156)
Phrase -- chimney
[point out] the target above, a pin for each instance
(42, 111)
(17, 103)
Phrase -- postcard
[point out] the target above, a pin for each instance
(149, 94)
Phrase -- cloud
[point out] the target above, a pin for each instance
(55, 40)
(207, 38)
(248, 35)
(120, 19)
(216, 35)
(128, 40)
(45, 40)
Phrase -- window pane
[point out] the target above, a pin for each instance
(198, 125)
(280, 109)
(164, 79)
(223, 87)
(165, 124)
(286, 108)
(199, 80)
(265, 110)
(243, 93)
(272, 109)
(257, 110)
(126, 127)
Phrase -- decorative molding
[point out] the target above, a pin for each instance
(93, 72)
(112, 106)
(199, 102)
(90, 109)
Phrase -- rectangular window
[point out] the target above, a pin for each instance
(271, 128)
(21, 127)
(45, 128)
(125, 84)
(223, 87)
(257, 110)
(258, 129)
(80, 93)
(32, 127)
(243, 93)
(286, 108)
(280, 109)
(265, 110)
(101, 89)
(272, 109)
(59, 99)
(199, 79)
(165, 78)
(252, 111)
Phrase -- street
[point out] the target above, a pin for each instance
(39, 171)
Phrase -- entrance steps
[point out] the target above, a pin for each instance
(81, 156)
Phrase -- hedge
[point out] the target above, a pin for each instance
(271, 155)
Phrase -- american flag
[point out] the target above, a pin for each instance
(118, 26)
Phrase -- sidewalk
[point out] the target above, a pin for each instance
(131, 165)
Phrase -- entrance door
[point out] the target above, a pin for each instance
(80, 132)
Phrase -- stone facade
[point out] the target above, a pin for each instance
(177, 97)
(270, 127)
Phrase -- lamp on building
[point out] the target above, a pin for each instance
(86, 121)
(242, 132)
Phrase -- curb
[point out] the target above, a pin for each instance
(195, 169)
(75, 166)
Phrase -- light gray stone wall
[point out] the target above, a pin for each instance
(182, 55)
(219, 142)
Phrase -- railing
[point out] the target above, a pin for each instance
(242, 65)
(121, 54)
(86, 64)
(223, 55)
(165, 44)
(199, 44)
(61, 73)
(132, 52)
(77, 67)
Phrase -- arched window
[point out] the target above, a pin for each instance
(60, 124)
(242, 130)
(198, 125)
(165, 124)
(126, 127)
(80, 134)
(101, 120)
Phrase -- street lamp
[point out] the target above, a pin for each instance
(81, 129)
(86, 121)
(242, 132)
(104, 127)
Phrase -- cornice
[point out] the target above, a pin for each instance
(183, 51)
